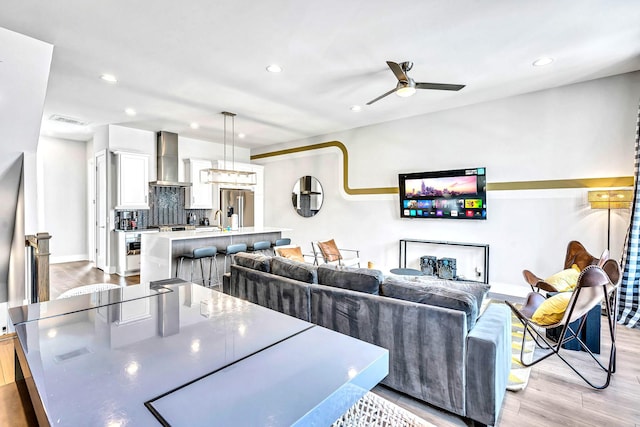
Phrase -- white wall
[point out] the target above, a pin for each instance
(62, 164)
(585, 130)
(190, 148)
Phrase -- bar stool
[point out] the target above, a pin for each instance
(200, 254)
(231, 250)
(282, 242)
(259, 246)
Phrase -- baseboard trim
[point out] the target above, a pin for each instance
(68, 258)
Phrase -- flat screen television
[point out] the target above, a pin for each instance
(454, 194)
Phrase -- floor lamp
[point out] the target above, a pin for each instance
(610, 199)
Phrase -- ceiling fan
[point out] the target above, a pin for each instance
(407, 86)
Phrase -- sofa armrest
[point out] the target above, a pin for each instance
(488, 363)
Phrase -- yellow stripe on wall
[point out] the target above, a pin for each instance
(620, 181)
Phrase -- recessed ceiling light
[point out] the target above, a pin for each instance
(109, 78)
(241, 135)
(274, 68)
(355, 108)
(541, 62)
(130, 112)
(194, 125)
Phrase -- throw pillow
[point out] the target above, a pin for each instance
(254, 261)
(440, 296)
(355, 279)
(565, 280)
(295, 270)
(330, 250)
(294, 253)
(552, 309)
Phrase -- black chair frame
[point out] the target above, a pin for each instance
(568, 334)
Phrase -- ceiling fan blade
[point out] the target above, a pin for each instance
(397, 70)
(438, 86)
(381, 96)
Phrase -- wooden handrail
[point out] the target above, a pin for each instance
(40, 280)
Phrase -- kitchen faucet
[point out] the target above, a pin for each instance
(217, 216)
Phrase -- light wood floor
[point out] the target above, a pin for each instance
(555, 396)
(70, 275)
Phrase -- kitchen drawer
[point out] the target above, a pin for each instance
(133, 262)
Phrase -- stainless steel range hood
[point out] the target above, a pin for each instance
(167, 161)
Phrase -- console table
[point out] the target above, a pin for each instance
(179, 354)
(402, 257)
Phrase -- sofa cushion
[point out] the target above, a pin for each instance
(355, 279)
(295, 270)
(477, 289)
(253, 261)
(436, 295)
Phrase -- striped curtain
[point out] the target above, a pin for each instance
(629, 309)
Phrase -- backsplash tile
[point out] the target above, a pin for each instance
(166, 206)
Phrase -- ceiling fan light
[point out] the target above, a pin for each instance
(405, 91)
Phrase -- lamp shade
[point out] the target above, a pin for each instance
(610, 199)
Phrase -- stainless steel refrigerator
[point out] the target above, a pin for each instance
(239, 202)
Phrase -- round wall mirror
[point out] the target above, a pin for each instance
(307, 196)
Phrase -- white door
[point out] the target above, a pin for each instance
(102, 231)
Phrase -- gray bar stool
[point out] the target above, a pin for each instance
(230, 251)
(262, 245)
(200, 254)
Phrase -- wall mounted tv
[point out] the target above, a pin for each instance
(454, 194)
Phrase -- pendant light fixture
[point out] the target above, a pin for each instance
(226, 175)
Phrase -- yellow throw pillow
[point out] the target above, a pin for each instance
(291, 253)
(552, 309)
(566, 280)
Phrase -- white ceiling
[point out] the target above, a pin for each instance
(180, 62)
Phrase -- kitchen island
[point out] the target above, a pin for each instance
(158, 258)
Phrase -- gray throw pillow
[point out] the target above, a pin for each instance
(355, 279)
(436, 295)
(295, 270)
(253, 261)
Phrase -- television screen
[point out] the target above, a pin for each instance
(457, 194)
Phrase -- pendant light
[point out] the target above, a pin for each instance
(226, 175)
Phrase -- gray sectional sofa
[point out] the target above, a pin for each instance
(440, 350)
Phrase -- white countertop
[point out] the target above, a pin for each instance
(198, 234)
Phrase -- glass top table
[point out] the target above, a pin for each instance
(186, 355)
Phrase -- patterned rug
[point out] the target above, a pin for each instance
(519, 375)
(375, 411)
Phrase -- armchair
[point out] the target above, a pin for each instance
(329, 253)
(576, 255)
(595, 284)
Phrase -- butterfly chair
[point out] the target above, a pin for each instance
(575, 260)
(329, 253)
(595, 284)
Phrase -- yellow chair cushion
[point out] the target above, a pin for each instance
(294, 253)
(552, 309)
(565, 280)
